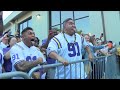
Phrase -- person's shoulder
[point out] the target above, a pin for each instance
(38, 49)
(18, 46)
(77, 35)
(35, 48)
(59, 36)
(6, 49)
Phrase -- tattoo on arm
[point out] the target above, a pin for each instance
(25, 66)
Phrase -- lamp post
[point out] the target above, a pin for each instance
(103, 24)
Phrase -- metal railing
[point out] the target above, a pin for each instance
(111, 67)
(99, 68)
(103, 67)
(9, 75)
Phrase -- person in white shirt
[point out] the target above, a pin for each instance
(4, 41)
(24, 55)
(66, 47)
(1, 60)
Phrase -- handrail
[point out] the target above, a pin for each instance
(60, 64)
(8, 75)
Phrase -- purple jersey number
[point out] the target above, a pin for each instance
(71, 48)
(15, 57)
(29, 58)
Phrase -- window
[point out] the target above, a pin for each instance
(80, 14)
(66, 14)
(24, 24)
(83, 24)
(81, 19)
(21, 27)
(30, 23)
(56, 18)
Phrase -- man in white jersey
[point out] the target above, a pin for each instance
(66, 47)
(1, 60)
(24, 55)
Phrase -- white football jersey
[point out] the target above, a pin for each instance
(1, 60)
(2, 45)
(70, 52)
(20, 52)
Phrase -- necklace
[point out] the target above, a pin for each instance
(67, 40)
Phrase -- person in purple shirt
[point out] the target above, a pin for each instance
(6, 52)
(50, 72)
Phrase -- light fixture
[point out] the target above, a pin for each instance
(38, 15)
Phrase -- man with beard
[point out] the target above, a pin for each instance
(66, 47)
(24, 55)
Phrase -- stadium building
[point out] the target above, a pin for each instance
(94, 22)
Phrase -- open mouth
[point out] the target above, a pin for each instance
(32, 40)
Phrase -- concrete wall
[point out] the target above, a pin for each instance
(14, 26)
(40, 25)
(12, 15)
(29, 14)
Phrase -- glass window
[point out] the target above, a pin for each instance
(79, 14)
(65, 15)
(83, 24)
(30, 23)
(24, 25)
(20, 27)
(55, 17)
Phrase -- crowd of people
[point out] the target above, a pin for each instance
(22, 53)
